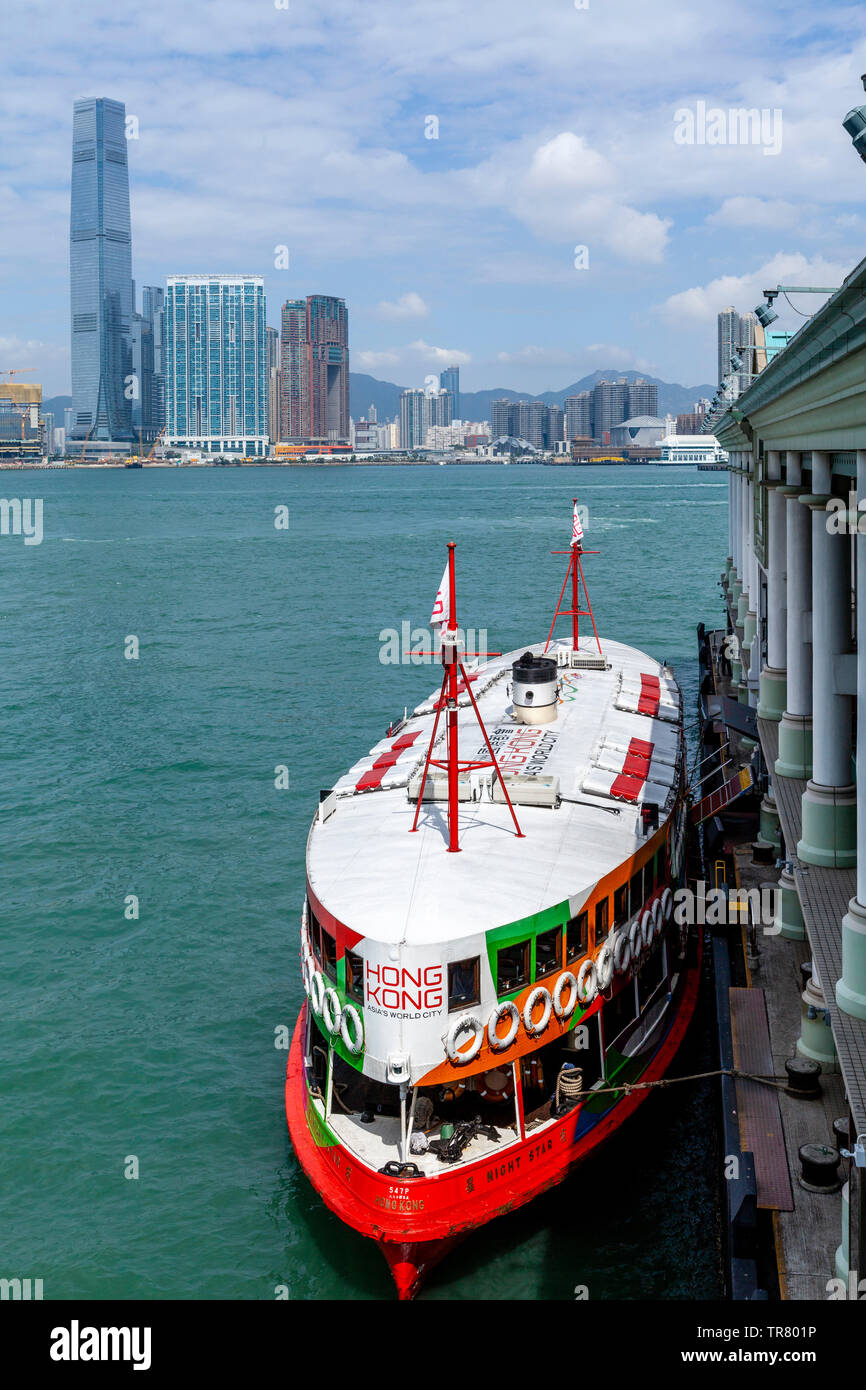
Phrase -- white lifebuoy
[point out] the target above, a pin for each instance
(658, 918)
(621, 953)
(539, 994)
(508, 1009)
(646, 927)
(586, 992)
(667, 904)
(564, 1011)
(331, 1020)
(635, 940)
(317, 992)
(461, 1025)
(353, 1044)
(604, 966)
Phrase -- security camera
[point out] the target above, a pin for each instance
(855, 124)
(765, 315)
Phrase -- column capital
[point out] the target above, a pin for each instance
(789, 489)
(816, 501)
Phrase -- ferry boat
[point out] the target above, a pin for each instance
(493, 967)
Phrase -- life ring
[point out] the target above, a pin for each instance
(667, 904)
(586, 992)
(317, 992)
(635, 940)
(658, 918)
(487, 1091)
(621, 953)
(331, 1020)
(646, 926)
(539, 994)
(452, 1092)
(604, 966)
(461, 1025)
(564, 1011)
(508, 1009)
(351, 1015)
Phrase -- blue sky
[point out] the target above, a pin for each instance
(306, 126)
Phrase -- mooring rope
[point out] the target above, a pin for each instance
(626, 1087)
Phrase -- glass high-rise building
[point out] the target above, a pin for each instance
(216, 363)
(449, 381)
(314, 369)
(100, 272)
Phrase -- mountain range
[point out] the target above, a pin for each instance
(365, 391)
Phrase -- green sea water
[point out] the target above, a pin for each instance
(147, 1044)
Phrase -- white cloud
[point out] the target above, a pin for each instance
(408, 306)
(446, 357)
(744, 211)
(701, 303)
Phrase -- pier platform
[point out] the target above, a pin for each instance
(765, 1018)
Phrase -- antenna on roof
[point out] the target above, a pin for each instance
(455, 682)
(575, 572)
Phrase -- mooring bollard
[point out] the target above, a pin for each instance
(803, 1078)
(820, 1166)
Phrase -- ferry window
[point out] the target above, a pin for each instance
(329, 955)
(512, 968)
(315, 935)
(463, 976)
(620, 905)
(548, 952)
(651, 973)
(621, 1010)
(655, 869)
(636, 893)
(354, 975)
(577, 936)
(601, 919)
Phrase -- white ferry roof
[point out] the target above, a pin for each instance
(396, 887)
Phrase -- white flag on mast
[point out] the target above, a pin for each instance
(576, 527)
(441, 608)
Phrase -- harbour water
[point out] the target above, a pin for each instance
(152, 1038)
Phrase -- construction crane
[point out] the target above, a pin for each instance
(16, 371)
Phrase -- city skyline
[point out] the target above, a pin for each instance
(449, 226)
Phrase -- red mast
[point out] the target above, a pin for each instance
(453, 764)
(575, 572)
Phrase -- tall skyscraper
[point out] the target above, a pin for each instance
(440, 408)
(532, 422)
(609, 407)
(328, 357)
(643, 399)
(294, 388)
(140, 390)
(503, 418)
(728, 335)
(578, 416)
(414, 419)
(153, 309)
(314, 399)
(216, 363)
(273, 351)
(449, 380)
(100, 271)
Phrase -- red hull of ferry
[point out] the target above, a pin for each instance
(416, 1231)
